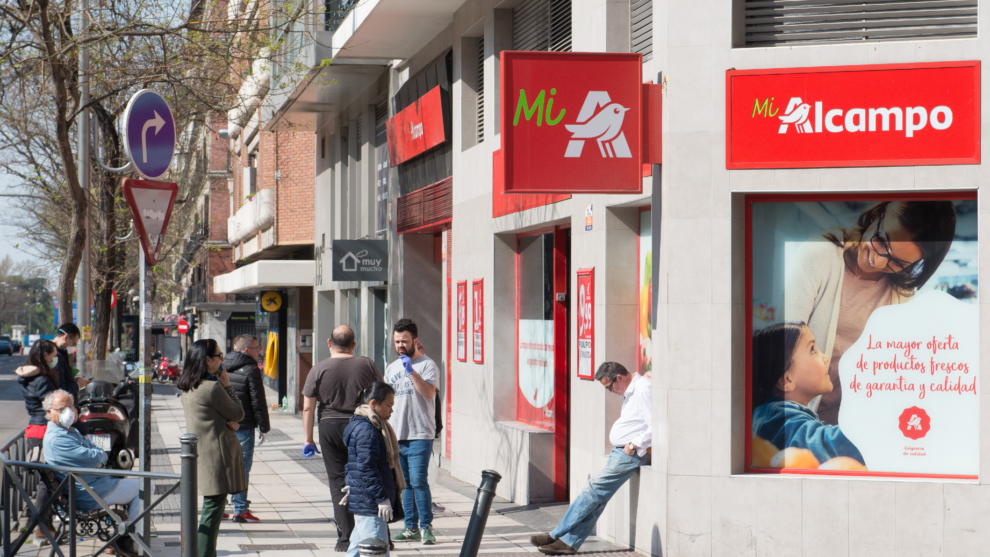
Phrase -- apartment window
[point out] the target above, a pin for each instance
(641, 28)
(323, 148)
(795, 22)
(480, 109)
(542, 25)
(381, 113)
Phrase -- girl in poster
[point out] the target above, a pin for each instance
(835, 285)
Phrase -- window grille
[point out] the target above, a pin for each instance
(480, 115)
(784, 22)
(531, 25)
(641, 28)
(560, 25)
(381, 113)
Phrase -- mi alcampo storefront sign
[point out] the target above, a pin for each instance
(881, 115)
(576, 123)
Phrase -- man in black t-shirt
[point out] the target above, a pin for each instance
(66, 338)
(333, 387)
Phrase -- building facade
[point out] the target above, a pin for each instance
(684, 275)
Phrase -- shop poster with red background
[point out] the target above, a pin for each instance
(880, 334)
(462, 320)
(586, 323)
(478, 320)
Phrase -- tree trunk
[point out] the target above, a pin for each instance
(107, 257)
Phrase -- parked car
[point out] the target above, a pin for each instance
(16, 345)
(5, 346)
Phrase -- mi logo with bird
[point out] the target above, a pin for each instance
(599, 120)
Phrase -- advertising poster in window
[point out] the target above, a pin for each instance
(462, 321)
(478, 320)
(586, 323)
(864, 334)
(644, 324)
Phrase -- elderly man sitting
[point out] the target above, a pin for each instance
(65, 446)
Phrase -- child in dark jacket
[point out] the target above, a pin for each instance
(788, 372)
(373, 475)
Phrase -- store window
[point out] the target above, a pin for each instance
(645, 289)
(534, 397)
(862, 334)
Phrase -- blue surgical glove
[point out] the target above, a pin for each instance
(310, 450)
(407, 363)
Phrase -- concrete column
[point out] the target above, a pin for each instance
(292, 349)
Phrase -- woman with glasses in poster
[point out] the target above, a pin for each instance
(893, 250)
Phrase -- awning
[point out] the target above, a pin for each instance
(266, 274)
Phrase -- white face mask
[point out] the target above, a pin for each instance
(53, 363)
(67, 417)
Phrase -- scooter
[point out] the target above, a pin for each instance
(108, 413)
(165, 370)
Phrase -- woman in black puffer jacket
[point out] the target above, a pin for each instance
(37, 378)
(373, 475)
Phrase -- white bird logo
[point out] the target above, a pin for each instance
(797, 113)
(605, 127)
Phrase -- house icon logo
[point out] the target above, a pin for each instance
(350, 261)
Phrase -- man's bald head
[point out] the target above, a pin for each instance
(342, 339)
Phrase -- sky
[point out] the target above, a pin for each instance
(8, 234)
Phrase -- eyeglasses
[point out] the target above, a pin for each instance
(610, 385)
(220, 355)
(881, 245)
(254, 347)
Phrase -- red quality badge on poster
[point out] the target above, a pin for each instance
(883, 115)
(478, 320)
(586, 323)
(462, 320)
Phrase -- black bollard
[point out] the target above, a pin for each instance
(372, 546)
(479, 516)
(189, 495)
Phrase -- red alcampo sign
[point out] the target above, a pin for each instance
(882, 115)
(416, 128)
(572, 122)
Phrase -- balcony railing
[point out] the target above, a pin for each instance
(425, 208)
(257, 213)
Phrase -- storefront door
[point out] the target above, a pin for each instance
(542, 310)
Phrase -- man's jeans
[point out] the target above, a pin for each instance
(367, 526)
(127, 492)
(417, 503)
(581, 517)
(246, 437)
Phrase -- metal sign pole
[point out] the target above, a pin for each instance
(144, 367)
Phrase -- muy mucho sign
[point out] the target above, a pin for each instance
(882, 115)
(150, 134)
(572, 122)
(355, 260)
(151, 208)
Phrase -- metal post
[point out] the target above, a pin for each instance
(144, 401)
(83, 292)
(372, 546)
(5, 502)
(479, 516)
(71, 486)
(188, 495)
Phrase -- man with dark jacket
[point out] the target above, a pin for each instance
(66, 338)
(245, 378)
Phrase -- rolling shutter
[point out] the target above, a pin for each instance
(782, 22)
(531, 25)
(480, 114)
(641, 28)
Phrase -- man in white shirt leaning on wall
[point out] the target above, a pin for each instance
(632, 436)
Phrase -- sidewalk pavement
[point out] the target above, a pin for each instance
(289, 494)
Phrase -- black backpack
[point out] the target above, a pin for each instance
(438, 414)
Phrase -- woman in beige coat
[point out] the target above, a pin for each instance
(212, 412)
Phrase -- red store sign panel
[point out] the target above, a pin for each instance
(572, 122)
(462, 320)
(882, 115)
(586, 323)
(417, 128)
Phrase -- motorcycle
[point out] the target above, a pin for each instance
(165, 371)
(108, 413)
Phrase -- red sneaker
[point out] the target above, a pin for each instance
(225, 515)
(246, 516)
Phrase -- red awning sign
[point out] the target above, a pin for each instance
(417, 128)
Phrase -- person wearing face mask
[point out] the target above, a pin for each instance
(66, 338)
(373, 472)
(37, 378)
(212, 411)
(65, 446)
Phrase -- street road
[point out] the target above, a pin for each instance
(13, 416)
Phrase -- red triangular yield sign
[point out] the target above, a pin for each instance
(151, 208)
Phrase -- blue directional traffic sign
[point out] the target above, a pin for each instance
(150, 133)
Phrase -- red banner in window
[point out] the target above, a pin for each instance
(881, 115)
(586, 323)
(462, 321)
(417, 128)
(478, 320)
